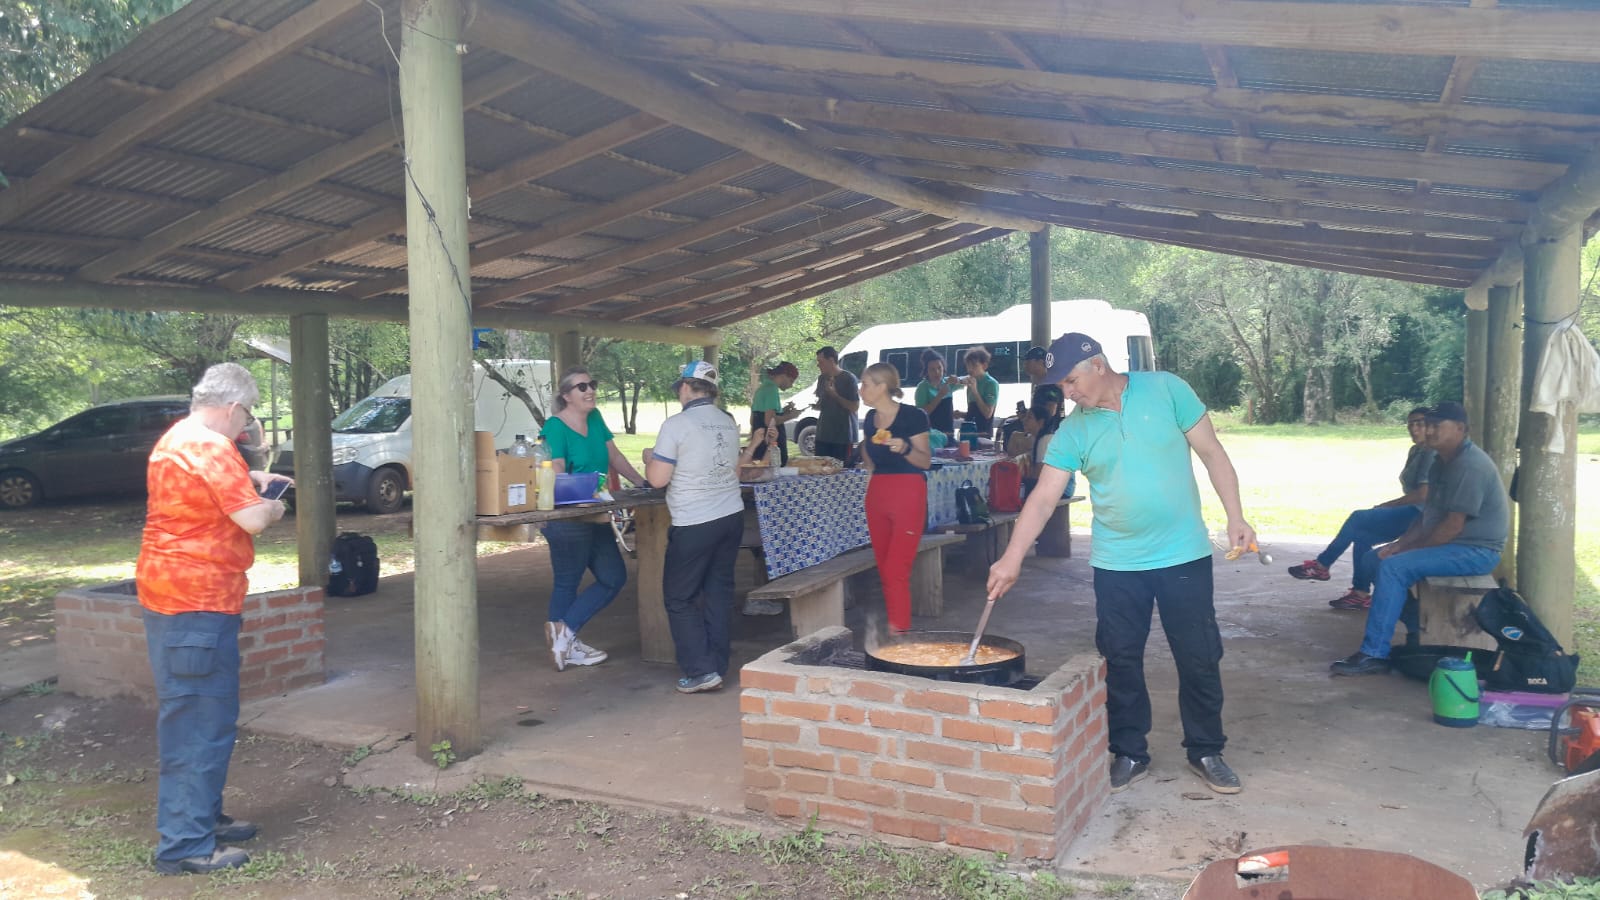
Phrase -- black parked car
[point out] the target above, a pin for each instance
(103, 450)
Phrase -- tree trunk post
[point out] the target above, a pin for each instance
(314, 514)
(1547, 483)
(1039, 293)
(568, 353)
(1503, 403)
(1475, 361)
(438, 276)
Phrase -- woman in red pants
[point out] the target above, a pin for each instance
(898, 455)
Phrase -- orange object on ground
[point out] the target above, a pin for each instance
(1327, 873)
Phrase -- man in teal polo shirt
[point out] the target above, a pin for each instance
(1131, 435)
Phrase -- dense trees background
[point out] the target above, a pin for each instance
(1281, 343)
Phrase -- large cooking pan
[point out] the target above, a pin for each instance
(1002, 673)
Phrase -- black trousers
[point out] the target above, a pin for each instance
(1123, 602)
(697, 589)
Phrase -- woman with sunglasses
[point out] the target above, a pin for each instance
(580, 442)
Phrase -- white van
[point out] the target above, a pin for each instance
(372, 440)
(1123, 333)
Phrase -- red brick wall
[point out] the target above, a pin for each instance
(994, 769)
(100, 647)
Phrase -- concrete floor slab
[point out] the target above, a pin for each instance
(1345, 762)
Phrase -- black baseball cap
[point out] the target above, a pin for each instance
(1035, 353)
(1448, 411)
(1066, 352)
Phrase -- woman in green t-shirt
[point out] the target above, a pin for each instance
(579, 441)
(767, 409)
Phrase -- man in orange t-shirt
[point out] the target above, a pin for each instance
(203, 510)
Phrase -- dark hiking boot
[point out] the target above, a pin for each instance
(1216, 774)
(1125, 771)
(220, 858)
(231, 831)
(1359, 663)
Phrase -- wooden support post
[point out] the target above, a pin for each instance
(1503, 402)
(314, 515)
(1039, 297)
(927, 582)
(1547, 482)
(710, 353)
(441, 380)
(651, 524)
(568, 348)
(1474, 365)
(1056, 538)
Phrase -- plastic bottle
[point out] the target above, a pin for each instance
(521, 447)
(546, 498)
(540, 452)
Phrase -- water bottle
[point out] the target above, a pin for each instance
(540, 452)
(521, 447)
(546, 486)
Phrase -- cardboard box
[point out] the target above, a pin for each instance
(505, 485)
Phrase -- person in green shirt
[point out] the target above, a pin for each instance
(767, 409)
(579, 442)
(933, 394)
(983, 392)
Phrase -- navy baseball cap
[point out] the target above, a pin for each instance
(1448, 411)
(1066, 352)
(1035, 353)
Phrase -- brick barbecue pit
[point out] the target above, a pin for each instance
(1016, 770)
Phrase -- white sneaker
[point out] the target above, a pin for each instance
(581, 654)
(551, 630)
(762, 608)
(560, 644)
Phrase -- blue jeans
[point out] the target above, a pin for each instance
(1364, 529)
(195, 659)
(1398, 573)
(577, 547)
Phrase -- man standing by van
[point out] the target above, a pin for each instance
(1131, 435)
(838, 398)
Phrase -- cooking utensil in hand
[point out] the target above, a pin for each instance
(1236, 552)
(977, 638)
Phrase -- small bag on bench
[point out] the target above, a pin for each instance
(353, 570)
(971, 508)
(1528, 657)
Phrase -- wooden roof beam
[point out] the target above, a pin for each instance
(819, 256)
(514, 33)
(700, 263)
(1570, 201)
(1330, 158)
(1297, 108)
(1291, 190)
(318, 166)
(1352, 28)
(1287, 210)
(480, 187)
(834, 269)
(576, 223)
(152, 117)
(737, 218)
(847, 278)
(291, 303)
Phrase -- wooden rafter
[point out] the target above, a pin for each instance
(796, 279)
(735, 312)
(819, 256)
(1174, 178)
(151, 117)
(1349, 27)
(589, 219)
(1228, 101)
(1330, 158)
(1288, 210)
(738, 253)
(622, 256)
(393, 218)
(318, 166)
(506, 31)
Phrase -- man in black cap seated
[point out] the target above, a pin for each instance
(1461, 532)
(1045, 393)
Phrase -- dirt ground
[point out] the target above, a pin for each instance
(77, 810)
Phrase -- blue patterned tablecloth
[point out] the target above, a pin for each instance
(810, 519)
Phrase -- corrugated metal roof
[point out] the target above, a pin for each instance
(1353, 74)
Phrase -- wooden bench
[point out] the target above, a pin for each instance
(816, 594)
(1444, 610)
(986, 542)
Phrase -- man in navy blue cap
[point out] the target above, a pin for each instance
(1461, 531)
(1131, 435)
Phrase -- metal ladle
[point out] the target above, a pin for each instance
(983, 622)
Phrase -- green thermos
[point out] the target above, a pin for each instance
(1454, 690)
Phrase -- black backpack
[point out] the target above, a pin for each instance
(971, 508)
(1528, 657)
(353, 570)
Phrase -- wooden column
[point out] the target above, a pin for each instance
(1547, 481)
(710, 353)
(1474, 365)
(1503, 402)
(568, 349)
(441, 379)
(314, 515)
(1039, 296)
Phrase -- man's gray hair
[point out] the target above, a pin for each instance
(225, 383)
(1105, 364)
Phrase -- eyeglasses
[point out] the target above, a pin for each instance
(249, 417)
(584, 386)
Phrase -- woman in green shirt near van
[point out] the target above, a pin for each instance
(579, 441)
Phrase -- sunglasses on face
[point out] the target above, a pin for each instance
(584, 386)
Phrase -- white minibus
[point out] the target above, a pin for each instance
(1123, 333)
